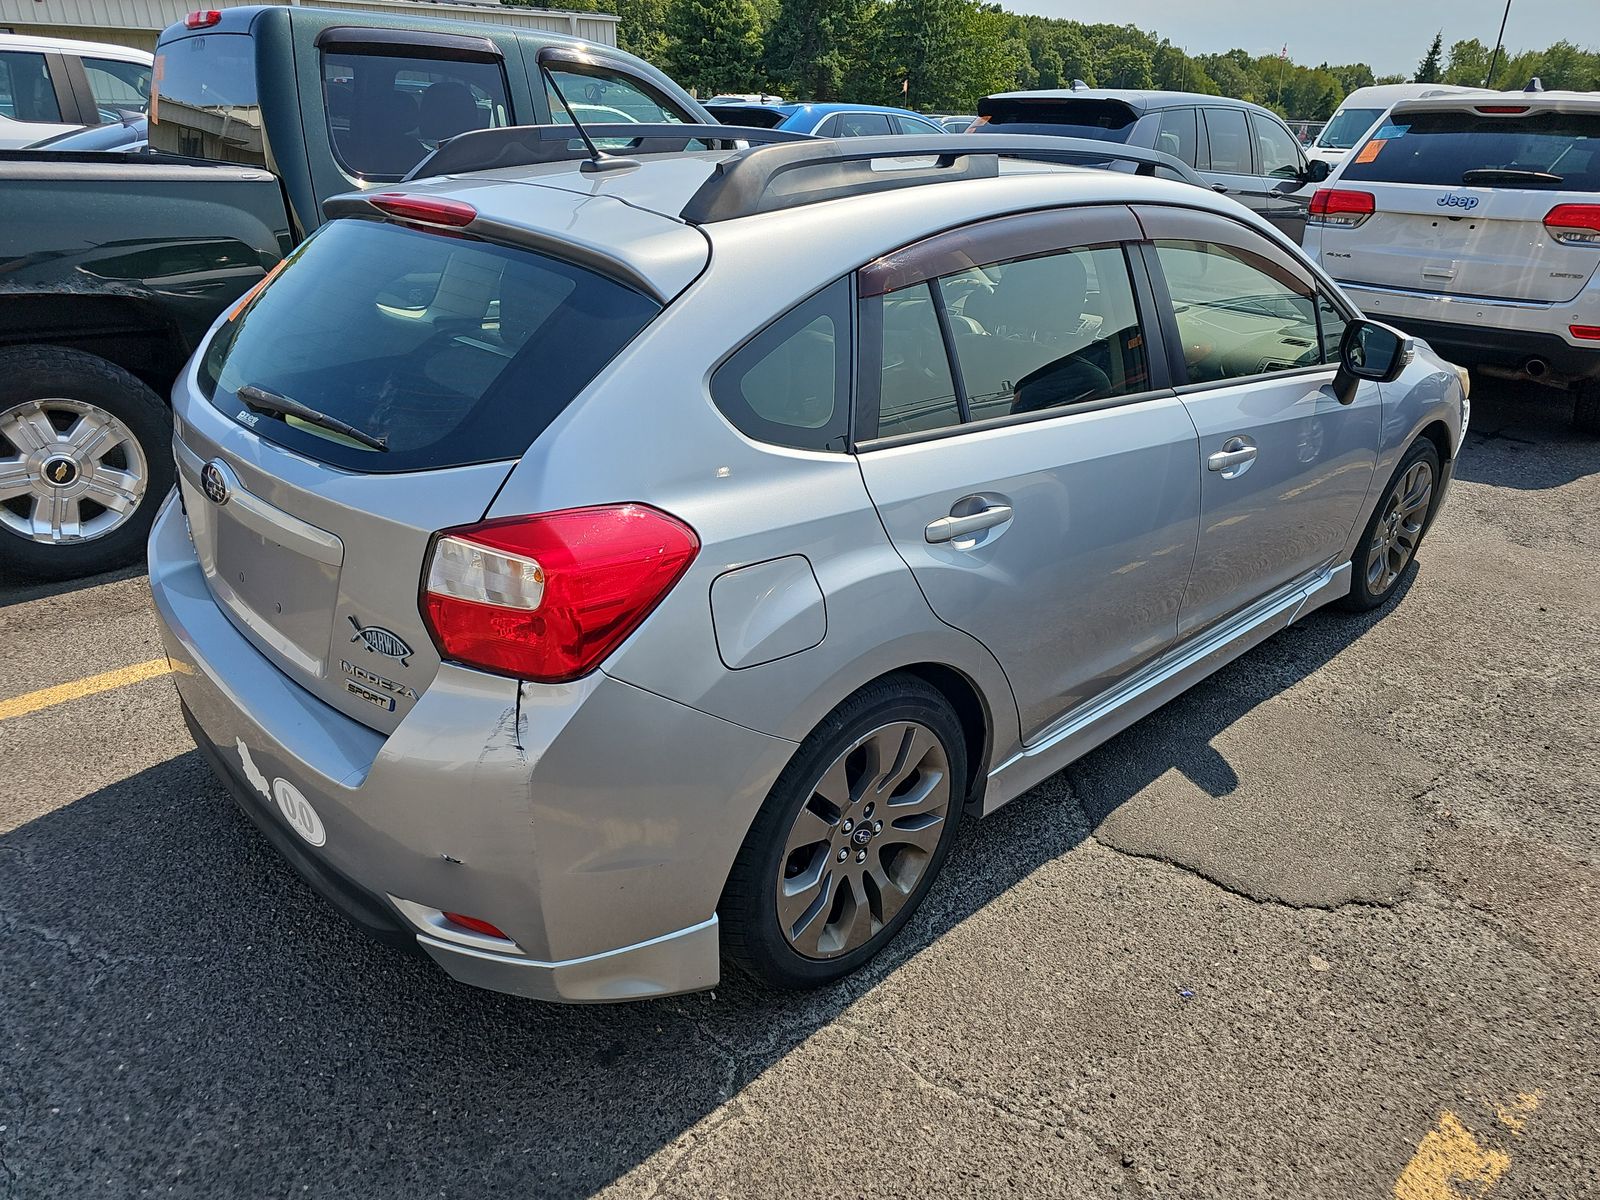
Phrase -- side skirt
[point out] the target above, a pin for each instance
(1107, 715)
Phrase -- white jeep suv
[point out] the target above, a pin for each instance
(1474, 221)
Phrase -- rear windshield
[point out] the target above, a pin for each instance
(448, 350)
(1108, 120)
(1448, 149)
(1346, 128)
(203, 99)
(752, 116)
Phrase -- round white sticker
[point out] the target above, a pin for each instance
(297, 810)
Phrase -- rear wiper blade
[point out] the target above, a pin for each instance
(1508, 175)
(270, 402)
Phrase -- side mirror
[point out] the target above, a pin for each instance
(1316, 171)
(1371, 351)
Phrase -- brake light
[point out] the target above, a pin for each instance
(202, 19)
(474, 924)
(1336, 206)
(430, 210)
(1502, 110)
(1587, 333)
(1574, 224)
(548, 597)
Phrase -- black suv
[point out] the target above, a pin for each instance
(1241, 149)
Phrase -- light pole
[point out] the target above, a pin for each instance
(1494, 60)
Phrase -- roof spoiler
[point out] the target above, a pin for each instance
(529, 145)
(769, 178)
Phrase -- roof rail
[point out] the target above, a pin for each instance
(527, 145)
(769, 178)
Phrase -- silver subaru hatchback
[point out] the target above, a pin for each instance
(584, 572)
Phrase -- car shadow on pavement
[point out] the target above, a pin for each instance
(180, 1013)
(14, 591)
(1522, 437)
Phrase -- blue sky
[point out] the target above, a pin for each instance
(1392, 35)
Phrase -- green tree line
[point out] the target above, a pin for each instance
(945, 55)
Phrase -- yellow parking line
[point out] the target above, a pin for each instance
(1452, 1164)
(61, 693)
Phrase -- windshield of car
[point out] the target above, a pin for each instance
(1446, 149)
(1346, 128)
(446, 350)
(1106, 120)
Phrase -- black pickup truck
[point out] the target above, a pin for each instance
(114, 265)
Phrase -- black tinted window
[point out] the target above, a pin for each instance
(863, 124)
(1109, 120)
(25, 90)
(452, 350)
(1175, 134)
(1448, 149)
(790, 384)
(203, 99)
(388, 112)
(1230, 140)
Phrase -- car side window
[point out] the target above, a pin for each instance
(387, 112)
(1175, 134)
(26, 93)
(1238, 315)
(605, 97)
(1276, 148)
(790, 384)
(916, 391)
(1230, 141)
(829, 128)
(863, 124)
(914, 125)
(117, 86)
(1331, 322)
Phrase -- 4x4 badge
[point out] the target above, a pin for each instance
(379, 640)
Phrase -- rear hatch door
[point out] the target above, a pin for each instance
(375, 391)
(1460, 196)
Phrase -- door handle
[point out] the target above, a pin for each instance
(947, 529)
(1236, 454)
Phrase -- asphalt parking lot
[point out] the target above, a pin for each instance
(1328, 926)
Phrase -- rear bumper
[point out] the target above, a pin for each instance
(594, 823)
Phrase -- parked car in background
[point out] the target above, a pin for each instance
(130, 133)
(957, 124)
(1473, 221)
(54, 85)
(826, 120)
(1243, 150)
(116, 263)
(489, 598)
(744, 98)
(1359, 112)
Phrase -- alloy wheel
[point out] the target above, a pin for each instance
(69, 471)
(863, 839)
(1399, 529)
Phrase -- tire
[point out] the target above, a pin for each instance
(1398, 523)
(856, 748)
(1586, 410)
(113, 477)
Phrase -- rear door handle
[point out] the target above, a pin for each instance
(949, 528)
(1236, 454)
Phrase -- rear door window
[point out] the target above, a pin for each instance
(26, 93)
(118, 87)
(388, 111)
(863, 124)
(1551, 150)
(914, 125)
(448, 349)
(1229, 136)
(203, 99)
(1175, 134)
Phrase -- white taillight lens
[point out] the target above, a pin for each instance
(465, 570)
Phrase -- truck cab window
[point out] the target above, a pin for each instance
(387, 112)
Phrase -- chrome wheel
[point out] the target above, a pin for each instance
(69, 471)
(1399, 529)
(863, 839)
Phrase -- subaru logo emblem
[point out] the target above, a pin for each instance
(379, 640)
(862, 835)
(214, 483)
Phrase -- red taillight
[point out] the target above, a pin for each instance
(548, 597)
(428, 209)
(1587, 333)
(202, 19)
(1502, 110)
(1336, 206)
(1574, 224)
(475, 925)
